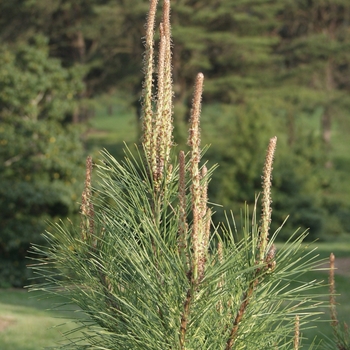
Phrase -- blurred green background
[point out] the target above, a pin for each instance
(70, 84)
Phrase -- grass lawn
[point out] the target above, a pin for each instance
(111, 131)
(322, 330)
(27, 325)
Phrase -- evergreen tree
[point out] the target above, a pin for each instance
(151, 271)
(40, 154)
(98, 35)
(315, 51)
(314, 81)
(238, 135)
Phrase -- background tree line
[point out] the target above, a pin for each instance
(272, 67)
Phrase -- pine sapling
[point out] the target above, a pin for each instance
(147, 267)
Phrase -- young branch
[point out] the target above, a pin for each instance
(197, 204)
(239, 316)
(263, 256)
(168, 82)
(332, 292)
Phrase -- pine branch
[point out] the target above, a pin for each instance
(141, 268)
(267, 258)
(184, 318)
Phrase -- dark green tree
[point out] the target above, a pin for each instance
(228, 40)
(315, 48)
(40, 154)
(100, 35)
(237, 134)
(314, 82)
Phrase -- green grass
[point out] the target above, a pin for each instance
(30, 326)
(33, 327)
(111, 131)
(340, 248)
(322, 330)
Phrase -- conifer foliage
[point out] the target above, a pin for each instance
(147, 267)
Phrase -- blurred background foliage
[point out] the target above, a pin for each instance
(70, 83)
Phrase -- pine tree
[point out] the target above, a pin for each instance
(98, 35)
(151, 271)
(315, 49)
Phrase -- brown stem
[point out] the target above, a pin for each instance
(270, 265)
(244, 304)
(184, 318)
(335, 322)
